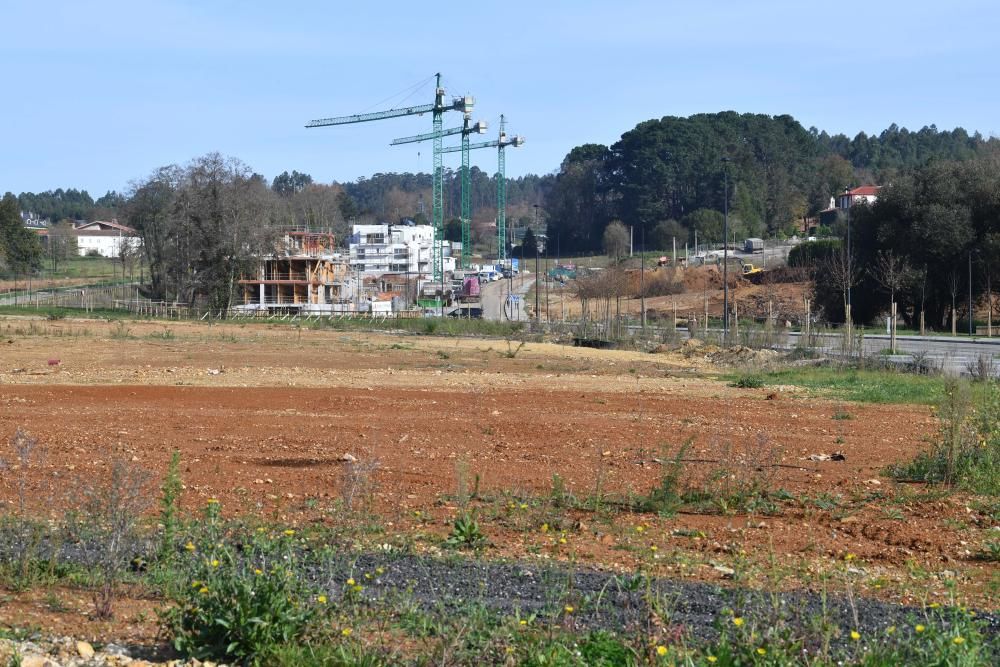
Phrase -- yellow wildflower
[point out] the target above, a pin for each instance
(918, 629)
(761, 651)
(661, 650)
(350, 582)
(215, 562)
(738, 621)
(958, 640)
(712, 659)
(855, 635)
(321, 599)
(189, 546)
(203, 590)
(568, 609)
(289, 532)
(346, 632)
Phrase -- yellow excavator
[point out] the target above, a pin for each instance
(752, 273)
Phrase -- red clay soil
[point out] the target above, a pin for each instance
(263, 416)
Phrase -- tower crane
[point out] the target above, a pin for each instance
(500, 144)
(468, 128)
(437, 109)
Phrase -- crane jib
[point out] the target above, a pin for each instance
(377, 115)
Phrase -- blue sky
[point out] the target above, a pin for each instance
(102, 92)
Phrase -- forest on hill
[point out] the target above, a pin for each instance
(668, 177)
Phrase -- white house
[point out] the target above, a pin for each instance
(866, 194)
(105, 238)
(380, 249)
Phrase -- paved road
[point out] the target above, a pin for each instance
(953, 354)
(504, 299)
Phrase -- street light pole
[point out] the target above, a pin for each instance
(536, 262)
(725, 255)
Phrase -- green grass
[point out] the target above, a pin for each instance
(862, 386)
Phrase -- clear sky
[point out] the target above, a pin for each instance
(100, 92)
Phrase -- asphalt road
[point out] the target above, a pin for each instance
(504, 299)
(952, 354)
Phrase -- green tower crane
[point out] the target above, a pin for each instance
(500, 144)
(437, 109)
(467, 129)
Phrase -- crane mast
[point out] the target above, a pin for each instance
(437, 110)
(467, 129)
(500, 144)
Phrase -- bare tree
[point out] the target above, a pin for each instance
(891, 272)
(843, 275)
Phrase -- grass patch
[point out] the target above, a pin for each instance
(861, 386)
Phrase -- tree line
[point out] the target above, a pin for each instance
(667, 178)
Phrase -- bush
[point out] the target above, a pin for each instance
(749, 382)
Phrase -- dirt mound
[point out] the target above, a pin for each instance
(740, 355)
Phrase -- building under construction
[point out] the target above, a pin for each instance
(304, 275)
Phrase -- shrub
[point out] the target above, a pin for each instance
(748, 382)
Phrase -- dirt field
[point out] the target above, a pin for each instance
(264, 415)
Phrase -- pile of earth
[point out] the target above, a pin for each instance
(740, 355)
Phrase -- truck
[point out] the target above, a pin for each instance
(753, 245)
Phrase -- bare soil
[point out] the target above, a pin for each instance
(264, 414)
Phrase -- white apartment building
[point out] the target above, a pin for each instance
(379, 249)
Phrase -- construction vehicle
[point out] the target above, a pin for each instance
(752, 273)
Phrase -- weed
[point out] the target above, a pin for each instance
(169, 494)
(842, 416)
(990, 552)
(357, 480)
(241, 606)
(121, 331)
(108, 527)
(982, 369)
(466, 533)
(967, 453)
(511, 352)
(666, 497)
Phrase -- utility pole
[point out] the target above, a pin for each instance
(971, 316)
(536, 261)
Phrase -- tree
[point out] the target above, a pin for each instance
(286, 184)
(20, 248)
(664, 234)
(615, 240)
(891, 272)
(529, 244)
(453, 230)
(707, 222)
(203, 226)
(61, 244)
